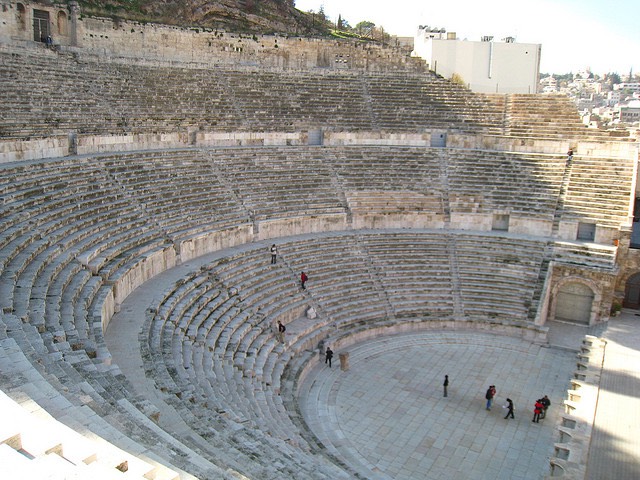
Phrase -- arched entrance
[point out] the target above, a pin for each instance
(632, 292)
(574, 303)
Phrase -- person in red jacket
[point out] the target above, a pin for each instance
(537, 411)
(303, 280)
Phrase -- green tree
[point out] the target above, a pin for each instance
(613, 78)
(365, 28)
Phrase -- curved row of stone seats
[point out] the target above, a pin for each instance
(96, 402)
(270, 100)
(546, 116)
(162, 180)
(88, 96)
(210, 387)
(273, 180)
(599, 190)
(585, 255)
(35, 445)
(114, 98)
(72, 225)
(496, 276)
(73, 215)
(441, 103)
(210, 347)
(411, 176)
(483, 181)
(415, 271)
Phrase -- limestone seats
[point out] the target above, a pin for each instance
(65, 245)
(143, 98)
(211, 339)
(80, 233)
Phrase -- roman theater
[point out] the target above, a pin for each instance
(148, 169)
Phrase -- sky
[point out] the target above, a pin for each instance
(601, 35)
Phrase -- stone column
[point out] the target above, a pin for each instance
(74, 10)
(344, 361)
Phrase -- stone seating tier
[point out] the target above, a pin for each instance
(75, 226)
(87, 97)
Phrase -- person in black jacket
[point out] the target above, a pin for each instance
(328, 355)
(545, 404)
(509, 407)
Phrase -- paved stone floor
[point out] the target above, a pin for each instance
(614, 452)
(387, 416)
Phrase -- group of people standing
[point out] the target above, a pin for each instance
(489, 396)
(539, 410)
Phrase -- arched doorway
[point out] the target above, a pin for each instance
(22, 16)
(574, 303)
(632, 292)
(62, 23)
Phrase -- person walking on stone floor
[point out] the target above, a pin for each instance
(328, 355)
(274, 254)
(509, 407)
(445, 384)
(303, 280)
(491, 392)
(537, 411)
(546, 403)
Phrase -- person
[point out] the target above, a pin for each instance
(509, 407)
(49, 41)
(274, 254)
(545, 404)
(281, 330)
(303, 280)
(491, 392)
(445, 384)
(570, 154)
(328, 355)
(537, 411)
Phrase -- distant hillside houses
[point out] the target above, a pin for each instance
(604, 102)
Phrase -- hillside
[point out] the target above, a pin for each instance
(259, 16)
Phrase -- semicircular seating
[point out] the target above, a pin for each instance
(79, 234)
(394, 238)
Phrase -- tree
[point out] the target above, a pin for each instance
(614, 78)
(365, 28)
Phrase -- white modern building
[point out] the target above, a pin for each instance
(485, 66)
(630, 113)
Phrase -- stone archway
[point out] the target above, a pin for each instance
(632, 292)
(574, 302)
(22, 16)
(62, 23)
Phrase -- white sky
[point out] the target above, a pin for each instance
(603, 35)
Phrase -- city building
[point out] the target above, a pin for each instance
(485, 66)
(630, 113)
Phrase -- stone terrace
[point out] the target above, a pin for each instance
(49, 94)
(80, 234)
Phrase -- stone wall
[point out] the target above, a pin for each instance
(601, 283)
(162, 43)
(156, 43)
(13, 149)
